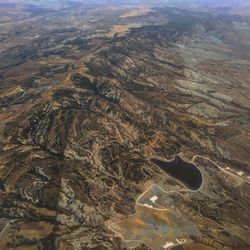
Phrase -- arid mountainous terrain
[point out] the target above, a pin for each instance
(124, 126)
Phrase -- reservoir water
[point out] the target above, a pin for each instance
(185, 172)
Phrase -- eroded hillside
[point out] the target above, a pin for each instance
(89, 96)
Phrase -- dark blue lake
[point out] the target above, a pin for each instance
(185, 172)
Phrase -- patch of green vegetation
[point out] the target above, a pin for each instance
(207, 209)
